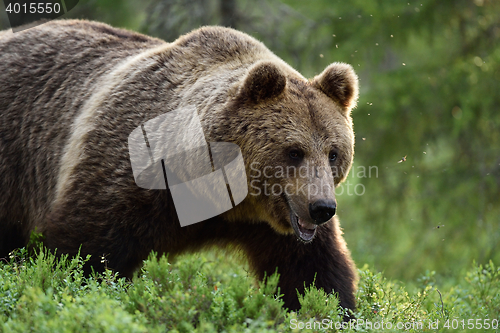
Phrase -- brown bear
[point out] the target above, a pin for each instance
(72, 92)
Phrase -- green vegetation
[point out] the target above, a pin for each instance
(202, 293)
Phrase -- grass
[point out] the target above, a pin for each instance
(202, 293)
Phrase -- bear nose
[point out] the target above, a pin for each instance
(322, 210)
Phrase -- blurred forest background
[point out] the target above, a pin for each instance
(430, 91)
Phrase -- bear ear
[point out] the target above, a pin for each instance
(339, 82)
(264, 81)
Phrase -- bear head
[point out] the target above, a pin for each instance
(297, 141)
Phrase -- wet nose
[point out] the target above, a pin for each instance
(322, 210)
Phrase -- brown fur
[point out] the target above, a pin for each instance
(72, 92)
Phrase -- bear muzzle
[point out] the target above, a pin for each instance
(322, 211)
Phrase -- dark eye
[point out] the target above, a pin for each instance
(296, 154)
(332, 156)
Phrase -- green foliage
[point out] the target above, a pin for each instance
(119, 13)
(315, 303)
(194, 298)
(201, 293)
(36, 239)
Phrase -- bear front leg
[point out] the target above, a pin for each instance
(325, 261)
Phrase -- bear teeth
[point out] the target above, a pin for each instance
(304, 231)
(306, 225)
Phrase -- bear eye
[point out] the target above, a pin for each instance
(332, 156)
(296, 154)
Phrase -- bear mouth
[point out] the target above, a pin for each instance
(304, 231)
